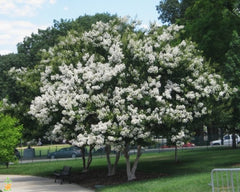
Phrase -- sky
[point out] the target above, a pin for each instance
(21, 18)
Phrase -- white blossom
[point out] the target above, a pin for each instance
(123, 80)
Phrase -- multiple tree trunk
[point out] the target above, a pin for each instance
(111, 167)
(87, 164)
(131, 170)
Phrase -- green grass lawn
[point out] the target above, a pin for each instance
(191, 174)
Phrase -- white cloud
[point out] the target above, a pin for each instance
(13, 32)
(22, 8)
(52, 1)
(5, 52)
(66, 8)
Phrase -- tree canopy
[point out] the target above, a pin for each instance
(10, 135)
(116, 85)
(211, 24)
(170, 11)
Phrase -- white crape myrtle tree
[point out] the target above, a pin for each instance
(115, 85)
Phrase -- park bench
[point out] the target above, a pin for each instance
(63, 174)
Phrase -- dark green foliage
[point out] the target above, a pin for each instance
(210, 24)
(231, 72)
(7, 84)
(170, 11)
(232, 63)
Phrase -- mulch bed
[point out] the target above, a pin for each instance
(98, 177)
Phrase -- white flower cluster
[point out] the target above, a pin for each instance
(124, 80)
(14, 70)
(6, 105)
(179, 138)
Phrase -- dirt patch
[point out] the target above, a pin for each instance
(98, 177)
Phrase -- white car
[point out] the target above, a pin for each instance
(227, 140)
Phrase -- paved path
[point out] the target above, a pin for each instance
(20, 183)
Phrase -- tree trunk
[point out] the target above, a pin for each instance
(234, 145)
(235, 120)
(83, 158)
(176, 157)
(86, 165)
(90, 156)
(131, 171)
(111, 167)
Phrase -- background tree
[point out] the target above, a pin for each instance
(208, 23)
(211, 24)
(10, 135)
(232, 75)
(7, 84)
(31, 46)
(170, 11)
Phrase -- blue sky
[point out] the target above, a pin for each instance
(20, 18)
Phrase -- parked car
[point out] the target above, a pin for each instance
(227, 140)
(188, 144)
(66, 153)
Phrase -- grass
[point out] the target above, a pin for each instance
(44, 169)
(45, 149)
(193, 183)
(191, 174)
